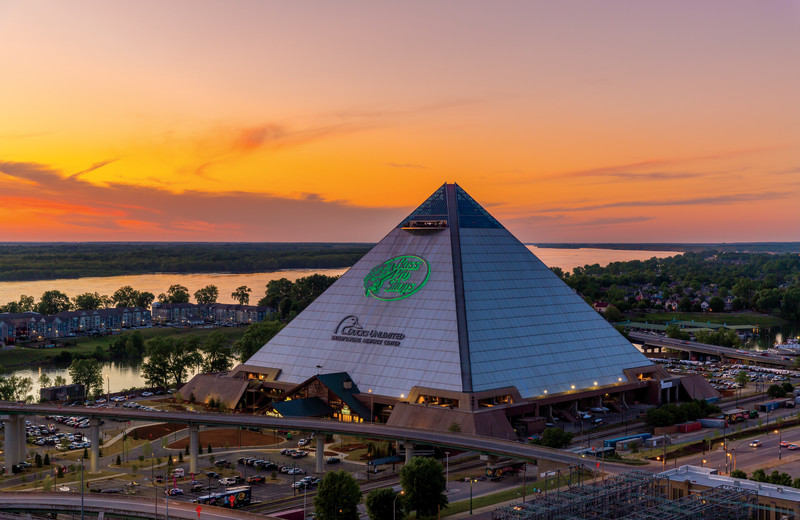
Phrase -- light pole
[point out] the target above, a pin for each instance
(81, 459)
(447, 471)
(108, 388)
(471, 480)
(394, 504)
(305, 490)
(371, 405)
(780, 440)
(702, 461)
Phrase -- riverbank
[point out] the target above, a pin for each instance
(21, 357)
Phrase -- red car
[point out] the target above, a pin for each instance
(256, 479)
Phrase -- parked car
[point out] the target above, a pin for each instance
(227, 481)
(256, 479)
(333, 460)
(174, 491)
(212, 474)
(147, 394)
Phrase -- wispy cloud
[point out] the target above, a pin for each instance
(406, 165)
(56, 206)
(732, 198)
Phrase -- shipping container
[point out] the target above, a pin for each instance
(713, 423)
(691, 426)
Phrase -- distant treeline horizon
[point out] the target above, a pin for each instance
(30, 261)
(50, 261)
(728, 247)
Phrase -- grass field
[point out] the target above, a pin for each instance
(731, 318)
(10, 359)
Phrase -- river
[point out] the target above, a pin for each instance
(157, 283)
(124, 375)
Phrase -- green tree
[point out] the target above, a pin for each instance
(674, 331)
(613, 313)
(556, 437)
(717, 304)
(87, 372)
(380, 502)
(16, 388)
(87, 301)
(242, 294)
(26, 303)
(44, 380)
(125, 297)
(175, 294)
(218, 356)
(423, 482)
(776, 391)
(53, 302)
(207, 294)
(737, 473)
(59, 381)
(47, 484)
(685, 305)
(155, 370)
(145, 299)
(338, 496)
(255, 337)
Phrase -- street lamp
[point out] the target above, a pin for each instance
(471, 480)
(447, 470)
(81, 459)
(780, 440)
(371, 405)
(394, 504)
(702, 461)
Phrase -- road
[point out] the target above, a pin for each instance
(452, 440)
(131, 506)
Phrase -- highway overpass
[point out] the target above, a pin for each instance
(725, 353)
(12, 413)
(117, 506)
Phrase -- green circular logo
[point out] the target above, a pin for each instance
(397, 278)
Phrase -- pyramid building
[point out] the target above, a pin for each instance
(450, 309)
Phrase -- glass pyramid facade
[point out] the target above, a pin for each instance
(451, 300)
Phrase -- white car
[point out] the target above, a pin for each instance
(147, 394)
(227, 481)
(755, 443)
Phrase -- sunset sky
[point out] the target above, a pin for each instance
(593, 121)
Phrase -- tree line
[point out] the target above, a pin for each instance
(286, 297)
(24, 262)
(768, 283)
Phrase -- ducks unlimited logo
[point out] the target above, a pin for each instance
(397, 278)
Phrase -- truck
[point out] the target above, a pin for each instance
(499, 469)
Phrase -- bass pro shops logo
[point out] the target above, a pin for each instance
(397, 278)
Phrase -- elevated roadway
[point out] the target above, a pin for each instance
(460, 441)
(693, 347)
(118, 506)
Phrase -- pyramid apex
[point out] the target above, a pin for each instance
(450, 205)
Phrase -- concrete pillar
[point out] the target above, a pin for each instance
(320, 438)
(94, 438)
(22, 436)
(194, 447)
(13, 441)
(409, 450)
